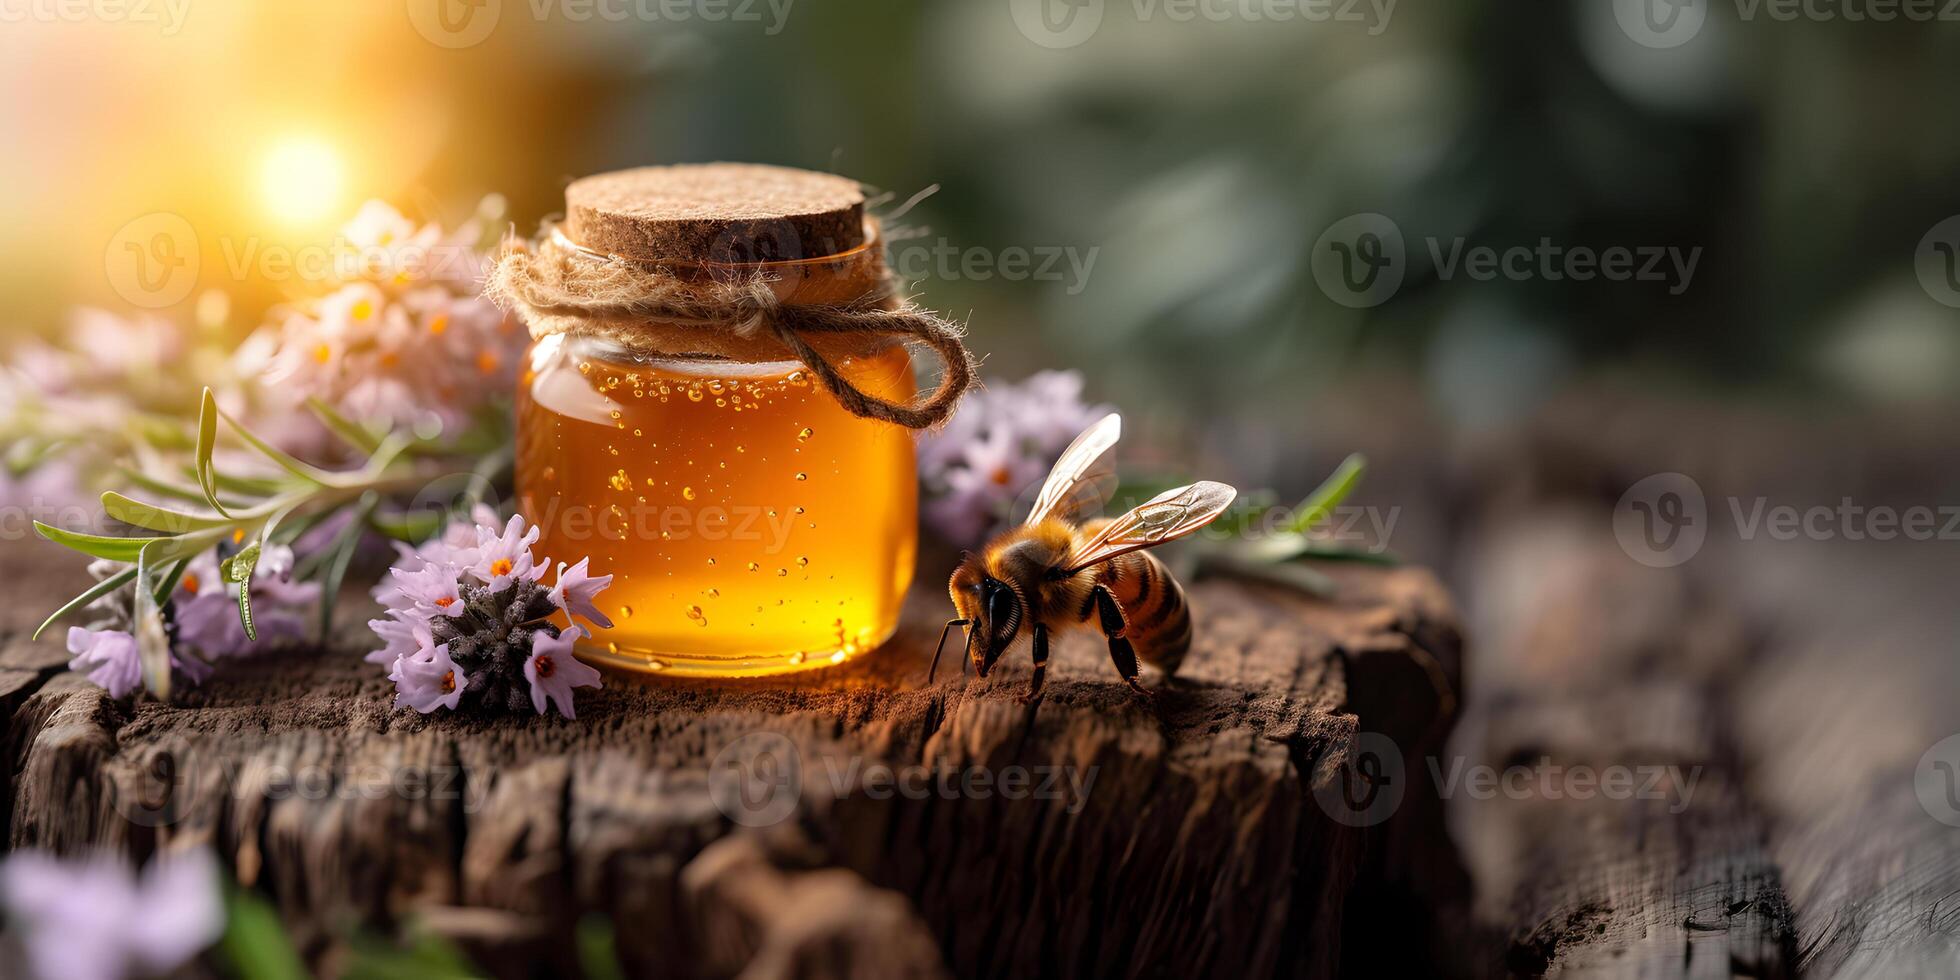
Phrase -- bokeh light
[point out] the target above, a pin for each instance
(303, 181)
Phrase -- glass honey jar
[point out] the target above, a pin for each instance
(751, 522)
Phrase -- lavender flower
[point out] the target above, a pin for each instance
(93, 919)
(397, 637)
(108, 651)
(427, 679)
(470, 623)
(996, 448)
(432, 588)
(576, 589)
(503, 557)
(108, 656)
(553, 672)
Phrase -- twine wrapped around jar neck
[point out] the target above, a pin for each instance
(557, 286)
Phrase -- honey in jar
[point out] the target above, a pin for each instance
(752, 525)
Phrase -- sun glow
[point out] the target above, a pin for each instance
(302, 180)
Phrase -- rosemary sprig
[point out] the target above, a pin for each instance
(249, 514)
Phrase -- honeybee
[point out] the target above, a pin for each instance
(1050, 574)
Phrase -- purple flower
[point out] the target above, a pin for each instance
(93, 919)
(576, 589)
(112, 659)
(471, 622)
(207, 606)
(108, 656)
(553, 671)
(996, 450)
(427, 679)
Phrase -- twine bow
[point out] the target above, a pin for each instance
(560, 287)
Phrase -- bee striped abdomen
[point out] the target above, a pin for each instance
(1157, 616)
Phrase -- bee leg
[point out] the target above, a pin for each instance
(942, 646)
(1114, 626)
(1040, 647)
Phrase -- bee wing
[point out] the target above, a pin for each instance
(1166, 517)
(1084, 477)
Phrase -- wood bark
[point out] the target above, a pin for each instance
(1174, 837)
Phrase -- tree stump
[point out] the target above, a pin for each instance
(850, 822)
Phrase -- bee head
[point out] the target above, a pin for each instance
(1001, 620)
(993, 609)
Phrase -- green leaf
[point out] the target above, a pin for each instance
(343, 554)
(163, 488)
(390, 449)
(252, 486)
(159, 431)
(1301, 577)
(157, 518)
(347, 429)
(96, 545)
(426, 957)
(409, 526)
(305, 471)
(1320, 503)
(96, 591)
(237, 570)
(1325, 552)
(255, 943)
(207, 441)
(170, 581)
(598, 949)
(152, 641)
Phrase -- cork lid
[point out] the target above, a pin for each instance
(715, 212)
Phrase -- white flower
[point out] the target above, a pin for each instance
(405, 336)
(576, 590)
(427, 679)
(553, 671)
(397, 637)
(503, 557)
(377, 225)
(432, 588)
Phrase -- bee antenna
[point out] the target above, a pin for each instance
(934, 669)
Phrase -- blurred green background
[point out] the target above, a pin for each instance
(1179, 162)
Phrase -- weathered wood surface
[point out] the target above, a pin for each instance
(1804, 678)
(1193, 846)
(1611, 666)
